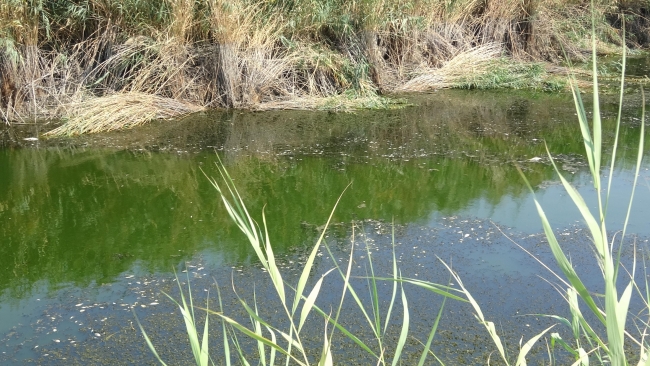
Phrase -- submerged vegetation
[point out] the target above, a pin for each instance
(72, 59)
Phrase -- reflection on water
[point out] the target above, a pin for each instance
(81, 212)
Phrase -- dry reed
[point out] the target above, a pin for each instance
(120, 111)
(260, 54)
(471, 62)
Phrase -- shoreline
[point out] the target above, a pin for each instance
(118, 65)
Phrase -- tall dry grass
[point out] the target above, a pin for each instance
(119, 111)
(250, 53)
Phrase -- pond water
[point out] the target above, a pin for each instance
(95, 226)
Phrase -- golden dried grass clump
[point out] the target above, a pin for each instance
(474, 61)
(120, 111)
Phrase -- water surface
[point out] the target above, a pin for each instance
(101, 221)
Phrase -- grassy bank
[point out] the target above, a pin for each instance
(151, 59)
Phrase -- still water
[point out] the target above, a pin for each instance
(94, 226)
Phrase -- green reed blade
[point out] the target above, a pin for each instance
(148, 340)
(404, 332)
(392, 298)
(304, 276)
(427, 346)
(311, 299)
(521, 359)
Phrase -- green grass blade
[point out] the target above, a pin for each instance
(258, 330)
(191, 333)
(584, 124)
(435, 288)
(618, 116)
(346, 285)
(204, 342)
(240, 352)
(304, 276)
(597, 126)
(427, 346)
(639, 160)
(226, 343)
(273, 352)
(349, 287)
(521, 359)
(489, 326)
(238, 212)
(257, 337)
(326, 358)
(555, 338)
(392, 298)
(273, 270)
(622, 308)
(597, 235)
(291, 341)
(146, 338)
(560, 257)
(252, 313)
(583, 359)
(374, 294)
(576, 314)
(188, 318)
(616, 315)
(346, 332)
(566, 266)
(404, 332)
(311, 299)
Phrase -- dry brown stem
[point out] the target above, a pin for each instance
(120, 111)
